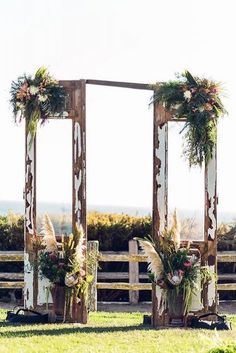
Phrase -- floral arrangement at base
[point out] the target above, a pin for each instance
(63, 264)
(198, 101)
(36, 98)
(174, 268)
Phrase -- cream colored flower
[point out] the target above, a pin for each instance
(71, 280)
(42, 97)
(177, 106)
(33, 90)
(187, 95)
(201, 109)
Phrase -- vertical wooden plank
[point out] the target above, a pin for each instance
(79, 177)
(210, 295)
(160, 195)
(79, 158)
(160, 170)
(133, 272)
(30, 276)
(92, 251)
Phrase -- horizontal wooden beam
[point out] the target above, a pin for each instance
(226, 256)
(124, 286)
(226, 286)
(11, 256)
(144, 86)
(118, 275)
(8, 275)
(121, 258)
(12, 285)
(226, 276)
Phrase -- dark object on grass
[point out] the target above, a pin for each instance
(147, 319)
(26, 316)
(219, 323)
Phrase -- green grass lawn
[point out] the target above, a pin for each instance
(110, 332)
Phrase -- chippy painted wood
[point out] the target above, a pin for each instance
(160, 171)
(30, 277)
(210, 298)
(79, 207)
(160, 211)
(160, 194)
(34, 291)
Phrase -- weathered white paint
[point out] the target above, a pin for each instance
(44, 290)
(162, 177)
(211, 188)
(196, 299)
(160, 300)
(29, 195)
(28, 280)
(77, 185)
(77, 141)
(29, 221)
(212, 289)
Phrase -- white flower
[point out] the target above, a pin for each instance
(42, 97)
(201, 109)
(177, 106)
(19, 105)
(187, 95)
(71, 281)
(33, 90)
(65, 114)
(175, 279)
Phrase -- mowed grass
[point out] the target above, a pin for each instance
(109, 332)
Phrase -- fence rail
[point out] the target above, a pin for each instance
(133, 257)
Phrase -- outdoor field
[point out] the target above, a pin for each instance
(111, 333)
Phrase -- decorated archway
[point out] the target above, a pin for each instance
(34, 291)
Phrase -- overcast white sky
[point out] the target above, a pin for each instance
(125, 40)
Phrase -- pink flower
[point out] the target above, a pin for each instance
(52, 256)
(161, 283)
(82, 272)
(61, 265)
(187, 264)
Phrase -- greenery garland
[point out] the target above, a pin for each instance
(198, 101)
(37, 98)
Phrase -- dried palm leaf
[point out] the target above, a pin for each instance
(154, 262)
(80, 246)
(49, 237)
(175, 230)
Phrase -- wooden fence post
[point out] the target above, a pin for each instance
(133, 272)
(92, 253)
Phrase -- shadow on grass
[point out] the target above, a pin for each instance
(68, 330)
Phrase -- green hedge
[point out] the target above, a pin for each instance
(111, 230)
(11, 232)
(114, 231)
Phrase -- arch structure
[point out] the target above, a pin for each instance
(34, 290)
(206, 300)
